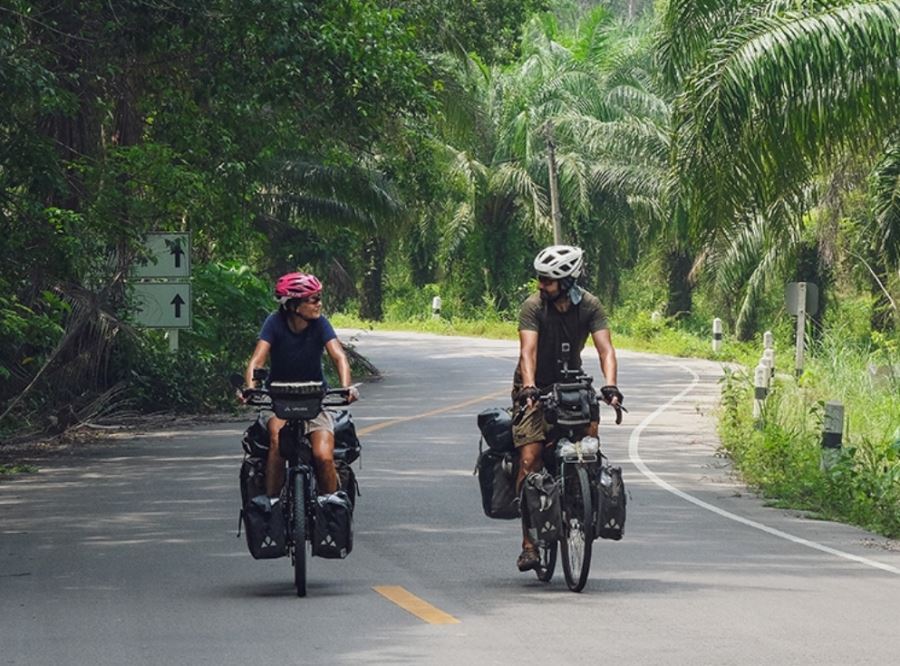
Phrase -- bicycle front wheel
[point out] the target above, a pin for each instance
(578, 532)
(298, 533)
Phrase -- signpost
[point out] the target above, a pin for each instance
(169, 256)
(801, 298)
(162, 293)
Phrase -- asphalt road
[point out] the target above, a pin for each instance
(128, 555)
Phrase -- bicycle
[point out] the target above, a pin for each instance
(297, 402)
(574, 459)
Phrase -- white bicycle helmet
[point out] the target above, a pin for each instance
(559, 261)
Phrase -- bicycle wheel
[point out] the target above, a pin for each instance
(298, 533)
(578, 532)
(548, 561)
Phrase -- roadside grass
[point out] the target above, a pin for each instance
(13, 470)
(781, 457)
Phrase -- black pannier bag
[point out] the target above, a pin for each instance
(265, 528)
(347, 480)
(496, 428)
(497, 478)
(333, 532)
(253, 478)
(541, 498)
(346, 443)
(611, 500)
(256, 439)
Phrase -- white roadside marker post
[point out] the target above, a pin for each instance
(832, 433)
(717, 335)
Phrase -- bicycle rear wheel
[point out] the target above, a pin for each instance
(298, 533)
(548, 561)
(578, 531)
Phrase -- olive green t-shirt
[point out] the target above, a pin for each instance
(554, 328)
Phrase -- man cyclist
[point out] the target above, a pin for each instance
(561, 312)
(296, 335)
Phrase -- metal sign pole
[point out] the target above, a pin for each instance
(801, 328)
(173, 340)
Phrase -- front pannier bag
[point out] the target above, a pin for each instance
(497, 479)
(333, 533)
(611, 503)
(265, 528)
(540, 495)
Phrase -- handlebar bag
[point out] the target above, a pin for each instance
(573, 404)
(611, 499)
(346, 443)
(333, 530)
(265, 528)
(496, 473)
(496, 428)
(541, 498)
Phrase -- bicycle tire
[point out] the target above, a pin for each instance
(298, 533)
(548, 561)
(578, 533)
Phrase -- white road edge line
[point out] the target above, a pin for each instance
(634, 455)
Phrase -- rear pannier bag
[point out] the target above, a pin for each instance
(253, 478)
(541, 498)
(346, 443)
(347, 480)
(610, 490)
(256, 438)
(333, 532)
(497, 478)
(496, 429)
(265, 528)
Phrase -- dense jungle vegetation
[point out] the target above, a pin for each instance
(708, 152)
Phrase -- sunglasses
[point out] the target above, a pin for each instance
(545, 280)
(311, 299)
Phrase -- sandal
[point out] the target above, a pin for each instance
(528, 559)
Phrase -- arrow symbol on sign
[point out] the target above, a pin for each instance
(176, 250)
(177, 302)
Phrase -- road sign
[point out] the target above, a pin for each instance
(792, 298)
(169, 256)
(163, 304)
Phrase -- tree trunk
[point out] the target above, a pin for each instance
(371, 298)
(678, 264)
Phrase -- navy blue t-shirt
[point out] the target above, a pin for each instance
(296, 357)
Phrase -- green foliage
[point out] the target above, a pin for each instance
(783, 457)
(230, 304)
(12, 470)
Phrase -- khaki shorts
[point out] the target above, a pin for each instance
(531, 427)
(324, 421)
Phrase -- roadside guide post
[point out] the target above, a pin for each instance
(436, 307)
(832, 433)
(162, 291)
(768, 340)
(768, 360)
(760, 391)
(717, 335)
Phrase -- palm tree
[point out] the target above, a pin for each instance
(307, 209)
(773, 96)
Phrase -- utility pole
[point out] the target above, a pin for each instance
(554, 191)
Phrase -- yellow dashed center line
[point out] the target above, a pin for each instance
(400, 596)
(413, 604)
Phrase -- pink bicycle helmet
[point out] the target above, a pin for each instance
(296, 285)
